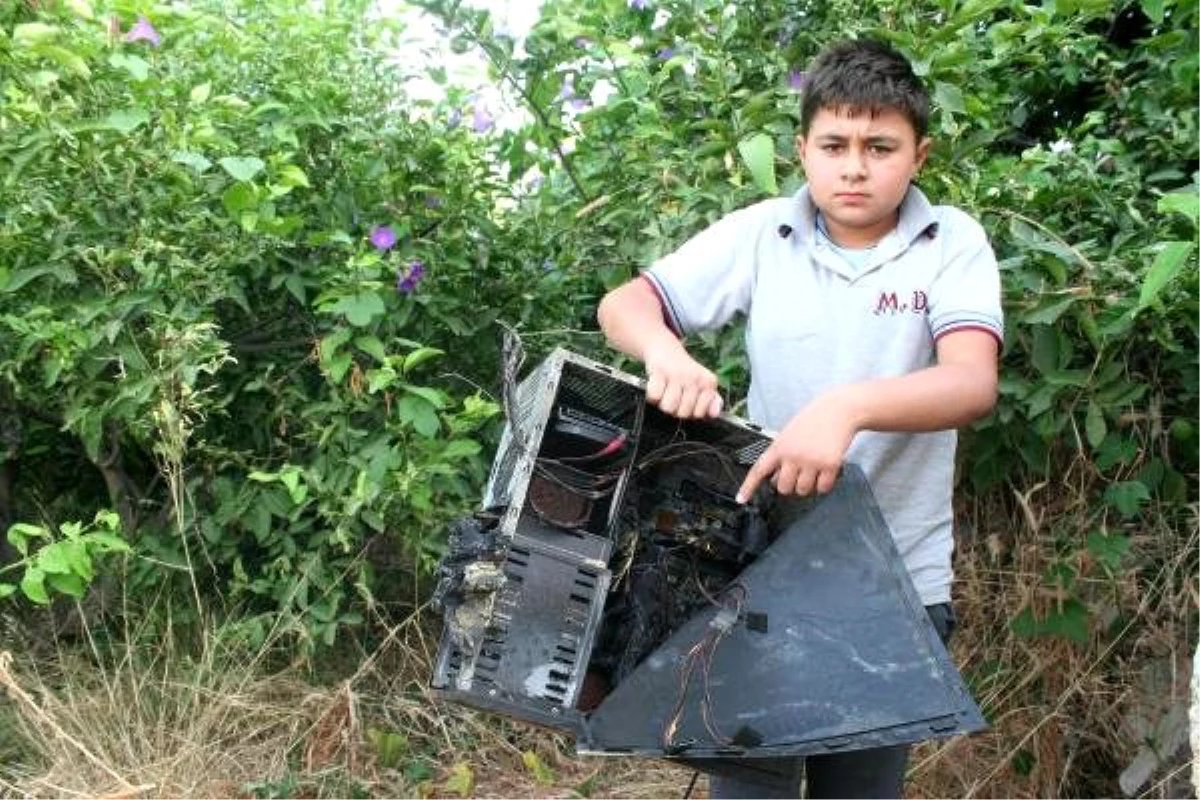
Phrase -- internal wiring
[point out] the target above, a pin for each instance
(678, 450)
(700, 654)
(580, 483)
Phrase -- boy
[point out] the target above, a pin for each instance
(873, 331)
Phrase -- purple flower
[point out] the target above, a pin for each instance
(665, 53)
(433, 201)
(453, 118)
(639, 5)
(143, 31)
(582, 42)
(482, 120)
(797, 79)
(568, 95)
(383, 237)
(408, 278)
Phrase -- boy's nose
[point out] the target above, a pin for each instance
(854, 166)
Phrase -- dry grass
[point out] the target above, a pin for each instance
(1068, 717)
(153, 719)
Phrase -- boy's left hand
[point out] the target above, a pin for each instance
(807, 454)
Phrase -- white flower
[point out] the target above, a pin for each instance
(601, 91)
(661, 18)
(1062, 146)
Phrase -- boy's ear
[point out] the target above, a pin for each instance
(922, 153)
(800, 149)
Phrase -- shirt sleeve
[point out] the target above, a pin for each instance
(710, 278)
(965, 294)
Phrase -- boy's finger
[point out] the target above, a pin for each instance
(762, 469)
(806, 481)
(703, 405)
(715, 405)
(685, 408)
(826, 480)
(655, 386)
(669, 401)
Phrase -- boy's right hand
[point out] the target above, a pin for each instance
(678, 384)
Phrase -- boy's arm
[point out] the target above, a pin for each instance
(808, 453)
(631, 317)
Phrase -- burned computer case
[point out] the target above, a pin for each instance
(612, 587)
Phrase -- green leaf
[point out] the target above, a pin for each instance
(52, 560)
(258, 520)
(1047, 315)
(360, 308)
(126, 121)
(20, 533)
(1047, 348)
(18, 279)
(78, 558)
(238, 198)
(461, 780)
(68, 583)
(378, 379)
(1166, 266)
(949, 98)
(461, 448)
(1186, 204)
(372, 347)
(66, 58)
(1095, 428)
(200, 93)
(193, 160)
(1108, 549)
(30, 33)
(758, 154)
(137, 67)
(82, 8)
(1126, 496)
(420, 413)
(107, 542)
(7, 589)
(33, 585)
(1068, 622)
(420, 356)
(389, 746)
(541, 773)
(291, 175)
(242, 168)
(432, 396)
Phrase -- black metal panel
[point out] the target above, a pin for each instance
(830, 650)
(531, 656)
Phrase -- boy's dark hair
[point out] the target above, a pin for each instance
(864, 76)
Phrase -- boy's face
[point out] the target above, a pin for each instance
(858, 169)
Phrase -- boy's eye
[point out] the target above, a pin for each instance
(880, 149)
(831, 147)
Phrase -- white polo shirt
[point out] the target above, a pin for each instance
(814, 322)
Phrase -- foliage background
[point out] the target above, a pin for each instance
(227, 417)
